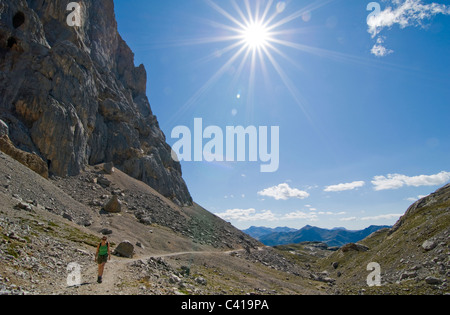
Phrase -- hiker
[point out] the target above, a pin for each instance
(102, 256)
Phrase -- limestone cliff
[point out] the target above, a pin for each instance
(72, 95)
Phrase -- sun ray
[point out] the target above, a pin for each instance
(298, 14)
(215, 24)
(224, 13)
(240, 68)
(266, 11)
(288, 83)
(218, 53)
(249, 11)
(285, 56)
(239, 11)
(193, 100)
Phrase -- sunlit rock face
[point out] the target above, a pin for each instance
(73, 96)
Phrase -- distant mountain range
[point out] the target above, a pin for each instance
(333, 237)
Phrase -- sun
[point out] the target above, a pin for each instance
(256, 36)
(259, 35)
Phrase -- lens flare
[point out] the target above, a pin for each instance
(256, 36)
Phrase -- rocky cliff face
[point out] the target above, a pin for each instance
(72, 96)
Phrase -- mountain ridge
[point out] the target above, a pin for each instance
(332, 237)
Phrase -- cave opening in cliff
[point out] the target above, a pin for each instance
(11, 42)
(18, 19)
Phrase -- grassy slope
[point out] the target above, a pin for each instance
(398, 251)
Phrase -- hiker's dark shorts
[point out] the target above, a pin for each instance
(102, 259)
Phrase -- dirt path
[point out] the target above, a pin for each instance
(116, 271)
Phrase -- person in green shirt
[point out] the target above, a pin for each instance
(102, 256)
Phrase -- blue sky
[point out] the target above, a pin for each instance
(362, 105)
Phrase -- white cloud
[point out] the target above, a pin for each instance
(247, 215)
(331, 213)
(414, 199)
(251, 215)
(373, 218)
(344, 187)
(406, 13)
(382, 217)
(349, 219)
(301, 215)
(396, 181)
(379, 50)
(311, 208)
(283, 192)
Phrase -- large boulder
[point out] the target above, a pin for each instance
(429, 245)
(114, 205)
(108, 168)
(125, 249)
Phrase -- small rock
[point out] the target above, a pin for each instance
(67, 216)
(186, 271)
(106, 231)
(201, 281)
(95, 203)
(356, 247)
(84, 222)
(328, 280)
(104, 182)
(23, 206)
(408, 275)
(174, 279)
(145, 220)
(117, 192)
(433, 280)
(429, 245)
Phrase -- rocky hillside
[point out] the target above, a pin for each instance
(414, 255)
(72, 96)
(45, 225)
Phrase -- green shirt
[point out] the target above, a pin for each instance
(103, 250)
